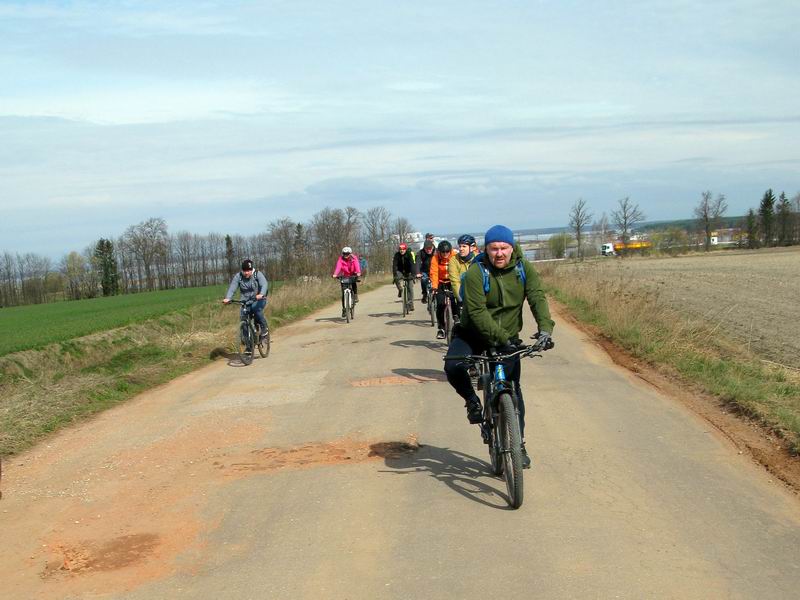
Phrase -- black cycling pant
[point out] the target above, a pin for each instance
(458, 373)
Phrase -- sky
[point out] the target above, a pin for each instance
(225, 116)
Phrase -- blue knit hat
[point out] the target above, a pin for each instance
(499, 233)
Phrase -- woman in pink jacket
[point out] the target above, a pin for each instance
(348, 265)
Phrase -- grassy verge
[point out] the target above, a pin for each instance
(680, 345)
(42, 390)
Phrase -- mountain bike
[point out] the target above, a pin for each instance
(431, 301)
(348, 305)
(448, 312)
(500, 427)
(248, 337)
(408, 295)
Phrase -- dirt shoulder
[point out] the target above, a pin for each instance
(751, 438)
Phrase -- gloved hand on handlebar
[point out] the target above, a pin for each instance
(545, 340)
(512, 345)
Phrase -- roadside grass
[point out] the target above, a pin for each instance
(46, 388)
(680, 345)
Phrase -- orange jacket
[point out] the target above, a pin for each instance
(439, 269)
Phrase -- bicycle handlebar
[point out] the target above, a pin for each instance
(493, 356)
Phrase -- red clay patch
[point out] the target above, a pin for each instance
(122, 552)
(315, 455)
(396, 380)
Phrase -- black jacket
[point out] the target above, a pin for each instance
(404, 264)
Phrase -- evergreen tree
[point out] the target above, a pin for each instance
(766, 216)
(751, 225)
(784, 221)
(106, 265)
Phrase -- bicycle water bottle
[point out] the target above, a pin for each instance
(499, 373)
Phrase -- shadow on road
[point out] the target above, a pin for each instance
(423, 375)
(330, 320)
(458, 471)
(438, 346)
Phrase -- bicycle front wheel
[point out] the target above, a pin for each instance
(405, 299)
(511, 447)
(448, 321)
(245, 343)
(432, 308)
(348, 303)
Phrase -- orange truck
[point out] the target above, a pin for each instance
(613, 248)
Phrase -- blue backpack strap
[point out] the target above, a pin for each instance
(521, 272)
(485, 272)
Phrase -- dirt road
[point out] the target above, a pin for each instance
(343, 467)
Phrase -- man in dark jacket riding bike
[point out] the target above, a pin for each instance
(492, 318)
(403, 267)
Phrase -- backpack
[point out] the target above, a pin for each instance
(485, 272)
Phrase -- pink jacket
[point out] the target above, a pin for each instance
(347, 268)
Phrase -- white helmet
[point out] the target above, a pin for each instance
(347, 250)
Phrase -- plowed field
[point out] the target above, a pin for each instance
(752, 297)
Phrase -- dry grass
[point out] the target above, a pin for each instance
(683, 344)
(44, 390)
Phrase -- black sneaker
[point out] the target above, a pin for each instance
(344, 313)
(526, 460)
(411, 306)
(440, 334)
(474, 411)
(424, 300)
(399, 294)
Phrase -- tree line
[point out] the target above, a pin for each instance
(776, 222)
(147, 257)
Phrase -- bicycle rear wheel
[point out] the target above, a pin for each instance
(246, 335)
(511, 444)
(264, 345)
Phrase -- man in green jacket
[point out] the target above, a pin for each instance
(493, 318)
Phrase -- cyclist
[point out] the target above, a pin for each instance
(424, 266)
(458, 266)
(403, 266)
(493, 317)
(252, 286)
(348, 266)
(440, 281)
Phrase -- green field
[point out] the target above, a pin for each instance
(30, 327)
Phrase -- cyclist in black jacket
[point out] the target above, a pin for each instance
(403, 266)
(424, 266)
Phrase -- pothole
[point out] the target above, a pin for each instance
(316, 454)
(108, 556)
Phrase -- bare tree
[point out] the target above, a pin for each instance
(579, 218)
(709, 212)
(402, 229)
(378, 231)
(282, 245)
(600, 229)
(147, 242)
(625, 218)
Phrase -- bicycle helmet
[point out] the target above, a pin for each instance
(247, 265)
(347, 250)
(466, 239)
(403, 246)
(444, 247)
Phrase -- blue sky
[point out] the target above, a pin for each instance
(224, 116)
